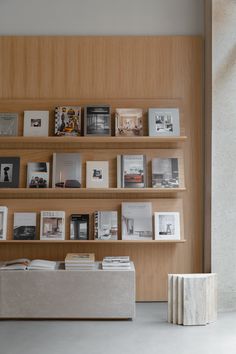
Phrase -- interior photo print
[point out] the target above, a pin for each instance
(97, 121)
(167, 225)
(52, 227)
(129, 122)
(165, 173)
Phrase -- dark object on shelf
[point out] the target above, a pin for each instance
(79, 227)
(69, 183)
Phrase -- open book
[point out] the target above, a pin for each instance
(26, 264)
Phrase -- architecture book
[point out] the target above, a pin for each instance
(105, 225)
(136, 221)
(129, 122)
(167, 226)
(8, 124)
(52, 225)
(131, 171)
(38, 175)
(116, 263)
(3, 222)
(79, 227)
(163, 122)
(66, 170)
(97, 174)
(24, 226)
(68, 121)
(80, 261)
(27, 264)
(97, 120)
(36, 123)
(165, 173)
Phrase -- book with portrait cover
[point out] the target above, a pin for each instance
(68, 121)
(38, 175)
(131, 171)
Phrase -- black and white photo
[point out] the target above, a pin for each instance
(163, 122)
(79, 227)
(167, 226)
(105, 225)
(24, 226)
(52, 225)
(38, 175)
(3, 222)
(136, 221)
(66, 170)
(36, 123)
(165, 173)
(97, 120)
(97, 174)
(8, 124)
(9, 172)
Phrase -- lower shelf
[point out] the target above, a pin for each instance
(92, 241)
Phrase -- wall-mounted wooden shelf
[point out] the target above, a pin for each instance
(87, 193)
(93, 241)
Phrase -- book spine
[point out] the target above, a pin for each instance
(118, 171)
(145, 171)
(54, 170)
(96, 225)
(57, 120)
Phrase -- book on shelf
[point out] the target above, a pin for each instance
(36, 123)
(3, 222)
(27, 264)
(68, 121)
(136, 221)
(97, 120)
(80, 261)
(105, 225)
(52, 225)
(116, 263)
(165, 173)
(97, 174)
(79, 227)
(163, 122)
(8, 124)
(167, 225)
(131, 171)
(129, 122)
(24, 226)
(9, 172)
(66, 170)
(38, 175)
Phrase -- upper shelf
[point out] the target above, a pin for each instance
(84, 142)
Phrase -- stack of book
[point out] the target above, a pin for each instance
(116, 263)
(80, 261)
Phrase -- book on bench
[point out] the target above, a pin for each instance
(27, 264)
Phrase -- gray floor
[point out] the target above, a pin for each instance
(148, 333)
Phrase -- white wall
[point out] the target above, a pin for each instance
(101, 17)
(224, 150)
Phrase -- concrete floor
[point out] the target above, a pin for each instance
(148, 333)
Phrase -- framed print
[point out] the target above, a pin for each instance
(129, 122)
(97, 174)
(163, 122)
(36, 123)
(3, 222)
(167, 226)
(9, 172)
(68, 121)
(8, 124)
(97, 120)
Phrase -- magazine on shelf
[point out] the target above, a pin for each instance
(97, 120)
(52, 225)
(68, 121)
(79, 227)
(131, 171)
(66, 170)
(136, 221)
(163, 122)
(24, 226)
(3, 222)
(36, 123)
(129, 122)
(27, 264)
(8, 124)
(97, 174)
(105, 225)
(38, 175)
(167, 225)
(165, 173)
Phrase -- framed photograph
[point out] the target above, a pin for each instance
(36, 123)
(97, 174)
(129, 122)
(68, 121)
(24, 226)
(8, 124)
(79, 227)
(9, 172)
(3, 222)
(167, 226)
(165, 173)
(131, 171)
(105, 225)
(38, 175)
(66, 170)
(52, 225)
(97, 120)
(163, 122)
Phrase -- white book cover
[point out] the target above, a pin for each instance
(106, 225)
(24, 226)
(163, 122)
(97, 174)
(3, 222)
(38, 175)
(52, 225)
(36, 123)
(136, 221)
(66, 170)
(167, 226)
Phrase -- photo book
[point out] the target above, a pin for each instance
(79, 227)
(36, 123)
(9, 172)
(24, 226)
(66, 170)
(165, 173)
(131, 171)
(3, 222)
(38, 175)
(68, 121)
(105, 225)
(163, 122)
(8, 124)
(52, 225)
(97, 120)
(136, 221)
(129, 122)
(167, 226)
(27, 264)
(97, 174)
